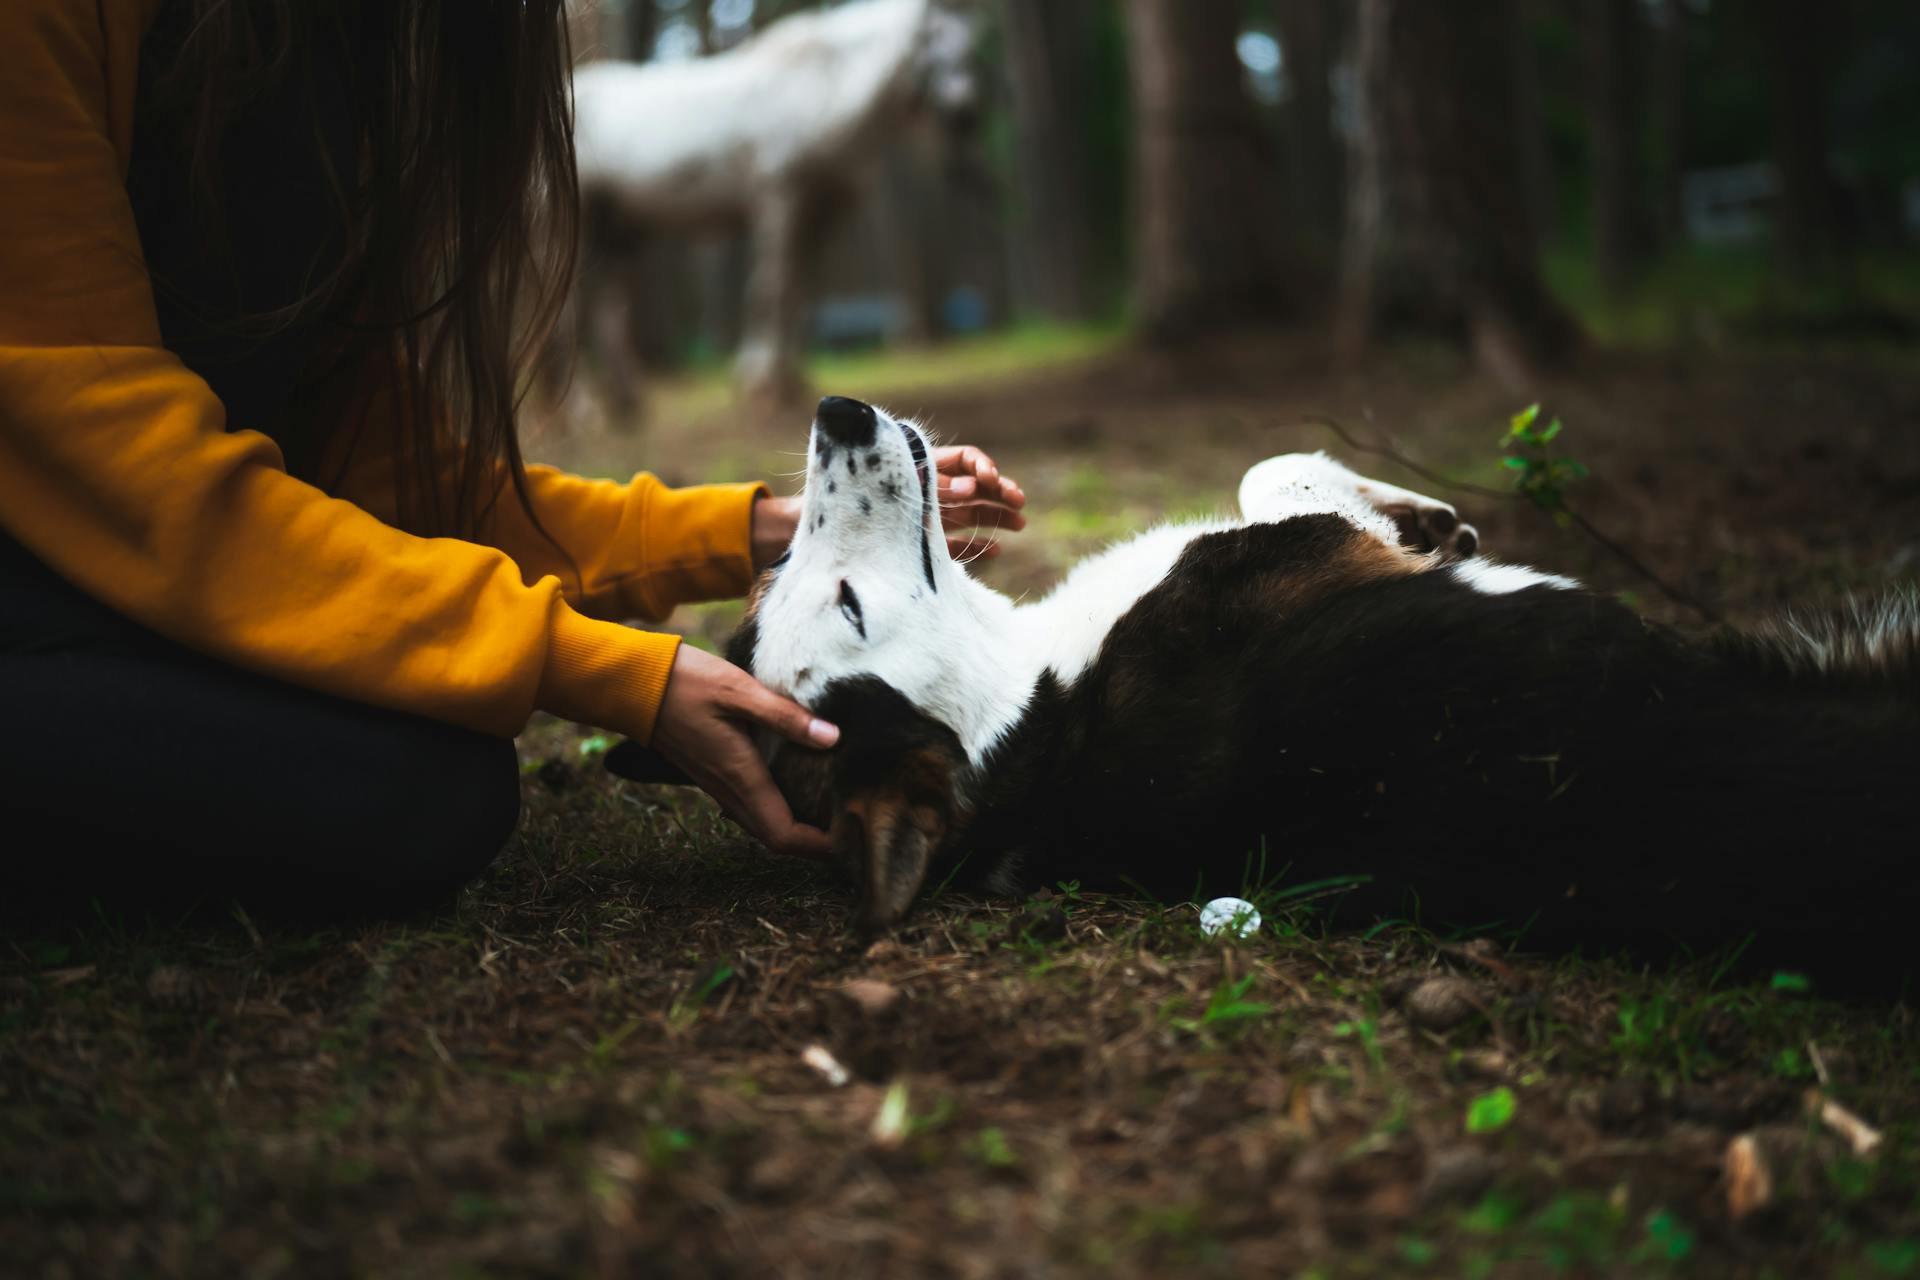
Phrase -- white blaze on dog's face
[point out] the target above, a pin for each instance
(868, 620)
(867, 587)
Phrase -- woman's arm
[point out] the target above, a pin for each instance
(618, 550)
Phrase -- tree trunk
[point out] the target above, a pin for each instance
(1537, 177)
(1795, 37)
(1049, 50)
(584, 23)
(1613, 91)
(702, 17)
(1438, 209)
(1309, 40)
(1364, 240)
(643, 24)
(1207, 201)
(1674, 79)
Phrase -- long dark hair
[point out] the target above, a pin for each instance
(457, 220)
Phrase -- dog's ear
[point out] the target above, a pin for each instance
(890, 830)
(895, 794)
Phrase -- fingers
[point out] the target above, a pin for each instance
(702, 730)
(747, 794)
(782, 715)
(758, 806)
(1002, 489)
(971, 479)
(964, 460)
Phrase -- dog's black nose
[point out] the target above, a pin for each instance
(845, 421)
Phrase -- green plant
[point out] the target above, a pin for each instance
(601, 1056)
(1492, 1111)
(1542, 477)
(1645, 1026)
(1791, 1064)
(1367, 1031)
(663, 1145)
(686, 1010)
(1228, 1006)
(1896, 1257)
(1668, 1238)
(991, 1148)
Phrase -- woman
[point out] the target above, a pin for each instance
(276, 588)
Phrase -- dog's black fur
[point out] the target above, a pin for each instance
(1543, 758)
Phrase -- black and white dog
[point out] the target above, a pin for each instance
(1336, 681)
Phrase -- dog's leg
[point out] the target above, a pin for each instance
(1298, 483)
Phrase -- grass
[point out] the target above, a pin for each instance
(884, 374)
(1726, 296)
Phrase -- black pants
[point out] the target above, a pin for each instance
(134, 770)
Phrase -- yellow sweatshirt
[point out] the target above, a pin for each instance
(119, 470)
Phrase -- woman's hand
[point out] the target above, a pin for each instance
(973, 495)
(703, 726)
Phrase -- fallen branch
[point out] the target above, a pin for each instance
(1749, 1178)
(821, 1059)
(1859, 1135)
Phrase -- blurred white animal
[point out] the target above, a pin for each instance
(764, 136)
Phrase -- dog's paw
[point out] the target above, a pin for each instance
(1427, 524)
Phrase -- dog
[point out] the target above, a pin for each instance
(1334, 683)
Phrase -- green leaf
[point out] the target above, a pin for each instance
(1514, 464)
(1524, 419)
(1552, 430)
(1668, 1236)
(1896, 1257)
(1790, 1064)
(595, 746)
(1491, 1112)
(1797, 983)
(992, 1149)
(1230, 1005)
(1496, 1211)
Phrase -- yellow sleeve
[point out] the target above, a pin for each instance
(632, 550)
(640, 548)
(116, 467)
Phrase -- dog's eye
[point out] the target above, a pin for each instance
(850, 608)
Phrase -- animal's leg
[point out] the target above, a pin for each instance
(599, 321)
(1296, 483)
(767, 367)
(616, 336)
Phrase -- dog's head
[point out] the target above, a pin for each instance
(868, 621)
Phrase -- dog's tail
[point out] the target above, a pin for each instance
(1865, 646)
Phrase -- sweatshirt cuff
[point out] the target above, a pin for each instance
(704, 534)
(606, 675)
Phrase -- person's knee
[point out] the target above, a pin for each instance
(425, 810)
(456, 817)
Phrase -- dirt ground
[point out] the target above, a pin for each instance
(639, 1046)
